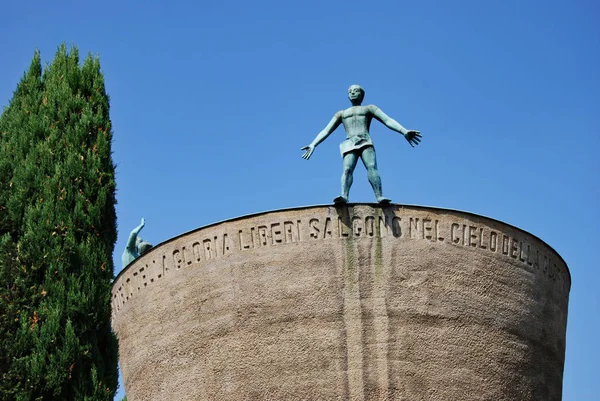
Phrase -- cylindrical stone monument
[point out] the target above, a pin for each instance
(357, 302)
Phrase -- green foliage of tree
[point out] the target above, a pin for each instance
(57, 235)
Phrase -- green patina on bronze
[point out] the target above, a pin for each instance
(136, 246)
(357, 121)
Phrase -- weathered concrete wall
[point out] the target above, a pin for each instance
(350, 303)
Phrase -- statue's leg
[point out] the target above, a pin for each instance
(370, 161)
(349, 164)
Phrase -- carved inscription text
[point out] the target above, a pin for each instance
(258, 234)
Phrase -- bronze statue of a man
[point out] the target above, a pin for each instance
(357, 121)
(136, 246)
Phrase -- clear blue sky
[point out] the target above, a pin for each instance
(212, 101)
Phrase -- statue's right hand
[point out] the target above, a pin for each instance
(143, 222)
(309, 151)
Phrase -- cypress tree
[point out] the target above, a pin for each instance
(57, 234)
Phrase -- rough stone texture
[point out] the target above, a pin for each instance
(356, 302)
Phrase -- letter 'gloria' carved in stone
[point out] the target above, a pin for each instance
(357, 121)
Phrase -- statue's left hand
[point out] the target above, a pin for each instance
(413, 137)
(309, 151)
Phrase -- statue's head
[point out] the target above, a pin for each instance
(356, 94)
(142, 246)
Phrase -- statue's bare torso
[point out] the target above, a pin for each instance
(357, 119)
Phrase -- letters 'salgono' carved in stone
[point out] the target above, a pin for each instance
(355, 302)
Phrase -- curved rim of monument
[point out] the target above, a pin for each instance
(123, 270)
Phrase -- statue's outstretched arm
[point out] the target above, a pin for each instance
(134, 233)
(412, 136)
(321, 136)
